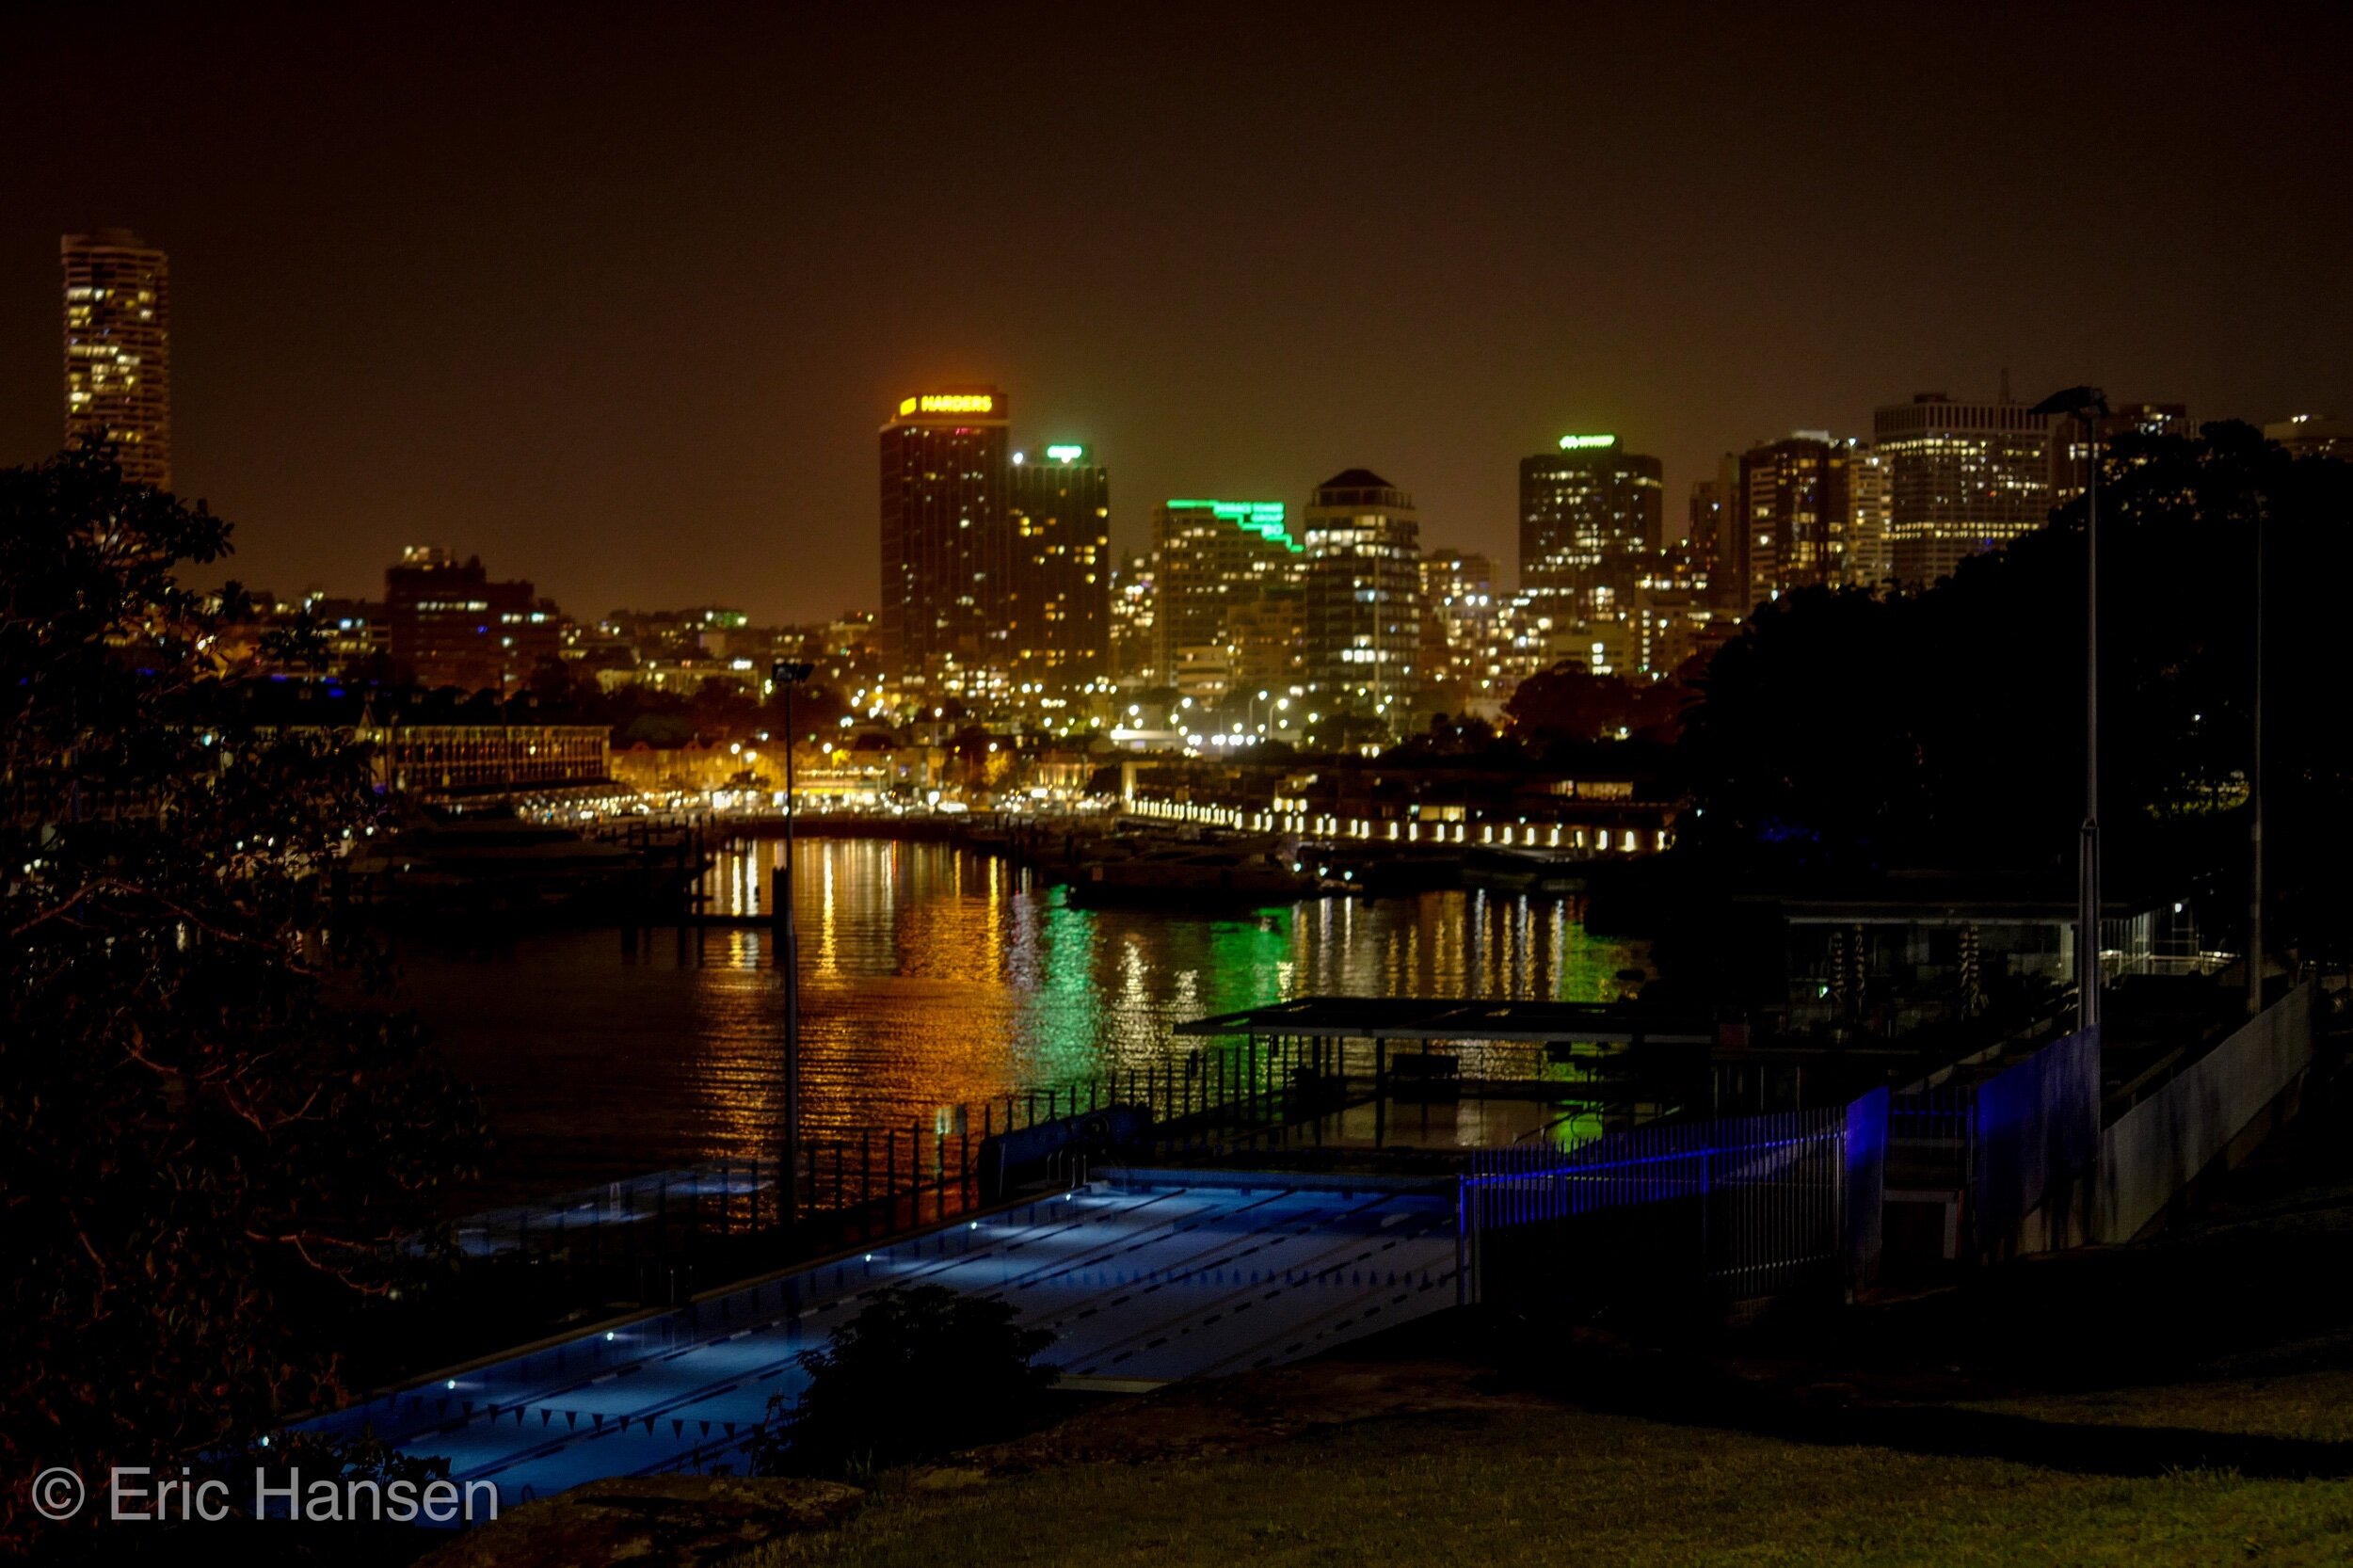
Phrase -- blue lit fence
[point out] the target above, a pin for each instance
(2018, 1145)
(1740, 1208)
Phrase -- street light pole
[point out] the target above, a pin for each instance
(2255, 800)
(2090, 405)
(787, 675)
(2088, 853)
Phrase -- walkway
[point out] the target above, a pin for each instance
(1143, 1282)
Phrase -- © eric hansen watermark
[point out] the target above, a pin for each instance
(135, 1494)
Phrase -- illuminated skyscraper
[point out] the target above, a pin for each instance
(1962, 478)
(1590, 514)
(1363, 596)
(947, 621)
(117, 350)
(1211, 561)
(1868, 502)
(1061, 592)
(1794, 507)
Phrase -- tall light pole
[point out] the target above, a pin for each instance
(2255, 798)
(2091, 406)
(784, 675)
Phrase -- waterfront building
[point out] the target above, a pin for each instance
(1963, 478)
(1061, 583)
(1210, 559)
(946, 620)
(457, 760)
(1795, 507)
(1590, 515)
(117, 350)
(451, 625)
(1363, 619)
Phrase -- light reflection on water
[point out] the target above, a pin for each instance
(931, 977)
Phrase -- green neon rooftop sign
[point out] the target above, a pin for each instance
(1266, 518)
(1586, 443)
(1066, 452)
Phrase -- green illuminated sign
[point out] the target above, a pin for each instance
(1586, 443)
(1265, 517)
(1070, 454)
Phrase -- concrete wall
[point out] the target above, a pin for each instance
(2158, 1147)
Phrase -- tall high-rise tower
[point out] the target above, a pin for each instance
(1216, 562)
(1794, 503)
(1061, 590)
(1590, 514)
(947, 558)
(117, 350)
(1362, 642)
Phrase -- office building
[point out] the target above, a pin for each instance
(1134, 611)
(1459, 617)
(1060, 592)
(1211, 560)
(2314, 435)
(449, 625)
(1704, 525)
(2122, 433)
(1590, 515)
(946, 621)
(1794, 506)
(1363, 620)
(1963, 478)
(1868, 501)
(117, 350)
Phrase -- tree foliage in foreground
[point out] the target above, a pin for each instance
(202, 1156)
(916, 1374)
(1946, 727)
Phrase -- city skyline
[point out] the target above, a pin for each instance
(511, 360)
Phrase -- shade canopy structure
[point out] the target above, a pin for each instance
(1453, 1018)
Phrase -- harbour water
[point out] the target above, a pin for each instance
(931, 977)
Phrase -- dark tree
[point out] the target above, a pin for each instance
(916, 1374)
(1946, 727)
(202, 1156)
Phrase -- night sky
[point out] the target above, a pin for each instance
(616, 299)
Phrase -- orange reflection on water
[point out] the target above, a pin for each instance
(931, 977)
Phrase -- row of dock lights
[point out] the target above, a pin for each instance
(1509, 835)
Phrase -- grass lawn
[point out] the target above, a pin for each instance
(2168, 1403)
(1552, 1485)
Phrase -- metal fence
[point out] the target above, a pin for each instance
(1738, 1208)
(884, 1180)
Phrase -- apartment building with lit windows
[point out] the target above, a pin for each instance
(1363, 620)
(117, 350)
